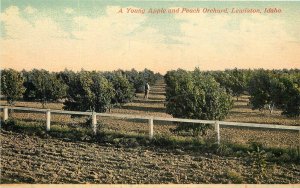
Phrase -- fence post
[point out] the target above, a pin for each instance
(217, 128)
(48, 121)
(299, 141)
(150, 122)
(94, 122)
(5, 113)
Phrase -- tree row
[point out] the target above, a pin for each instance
(82, 91)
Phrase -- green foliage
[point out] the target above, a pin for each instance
(89, 91)
(43, 86)
(234, 81)
(11, 85)
(239, 82)
(286, 95)
(224, 149)
(234, 176)
(30, 128)
(66, 76)
(194, 95)
(195, 129)
(87, 123)
(224, 79)
(260, 90)
(267, 88)
(138, 79)
(257, 156)
(148, 76)
(259, 163)
(86, 90)
(172, 79)
(135, 79)
(9, 124)
(281, 91)
(124, 91)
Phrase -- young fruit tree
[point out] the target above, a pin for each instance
(260, 90)
(234, 81)
(224, 79)
(89, 91)
(44, 86)
(275, 90)
(239, 82)
(286, 94)
(136, 79)
(11, 85)
(124, 91)
(194, 95)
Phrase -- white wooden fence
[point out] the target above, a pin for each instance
(150, 119)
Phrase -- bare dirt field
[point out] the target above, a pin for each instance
(33, 159)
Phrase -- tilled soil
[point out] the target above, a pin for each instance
(36, 160)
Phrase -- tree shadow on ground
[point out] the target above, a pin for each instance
(250, 113)
(241, 106)
(148, 101)
(155, 98)
(145, 109)
(158, 93)
(156, 122)
(241, 100)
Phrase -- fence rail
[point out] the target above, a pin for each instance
(150, 119)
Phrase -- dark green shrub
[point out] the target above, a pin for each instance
(287, 96)
(89, 91)
(234, 81)
(138, 79)
(124, 91)
(260, 90)
(11, 85)
(234, 176)
(194, 95)
(258, 158)
(280, 91)
(9, 124)
(194, 129)
(43, 86)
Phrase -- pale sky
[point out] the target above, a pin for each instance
(92, 35)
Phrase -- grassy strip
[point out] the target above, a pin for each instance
(131, 139)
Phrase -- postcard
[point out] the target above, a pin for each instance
(128, 93)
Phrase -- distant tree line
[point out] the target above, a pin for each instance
(83, 90)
